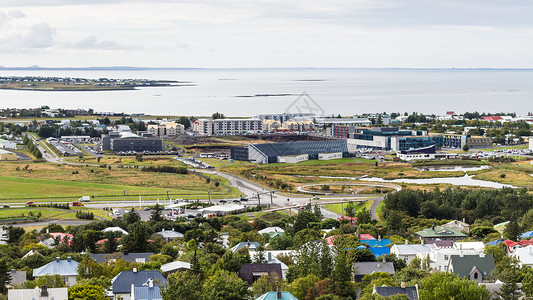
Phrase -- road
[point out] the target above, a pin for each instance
(248, 189)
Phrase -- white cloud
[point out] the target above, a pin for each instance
(41, 35)
(15, 14)
(91, 42)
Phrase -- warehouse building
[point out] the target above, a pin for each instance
(296, 151)
(127, 141)
(6, 155)
(5, 144)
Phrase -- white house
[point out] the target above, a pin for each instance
(408, 252)
(37, 293)
(440, 257)
(524, 255)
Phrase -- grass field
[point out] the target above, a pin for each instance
(339, 207)
(45, 212)
(46, 180)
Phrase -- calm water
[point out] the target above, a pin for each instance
(465, 180)
(345, 91)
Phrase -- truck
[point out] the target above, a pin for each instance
(85, 199)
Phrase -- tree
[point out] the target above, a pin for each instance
(342, 273)
(182, 286)
(87, 292)
(218, 115)
(136, 240)
(361, 255)
(364, 216)
(156, 214)
(267, 283)
(51, 281)
(5, 276)
(232, 262)
(111, 244)
(185, 122)
(350, 209)
(131, 217)
(512, 231)
(466, 148)
(224, 285)
(303, 219)
(14, 234)
(301, 285)
(447, 286)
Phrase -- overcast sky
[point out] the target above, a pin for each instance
(267, 33)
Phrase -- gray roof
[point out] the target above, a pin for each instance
(175, 265)
(249, 245)
(17, 277)
(66, 267)
(273, 150)
(121, 284)
(369, 267)
(147, 293)
(387, 291)
(170, 234)
(412, 249)
(103, 257)
(463, 266)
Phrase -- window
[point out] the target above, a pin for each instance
(475, 275)
(446, 257)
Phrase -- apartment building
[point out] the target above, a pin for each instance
(227, 126)
(164, 129)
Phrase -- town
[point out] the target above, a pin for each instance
(109, 205)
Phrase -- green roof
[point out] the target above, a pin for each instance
(463, 266)
(440, 232)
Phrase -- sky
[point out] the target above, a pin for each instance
(267, 33)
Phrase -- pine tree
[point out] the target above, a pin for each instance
(5, 276)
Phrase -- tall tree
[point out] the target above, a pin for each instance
(183, 286)
(5, 276)
(224, 285)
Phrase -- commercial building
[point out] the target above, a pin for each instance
(271, 125)
(5, 144)
(269, 152)
(227, 126)
(6, 155)
(284, 117)
(379, 138)
(343, 121)
(424, 153)
(293, 159)
(127, 141)
(165, 129)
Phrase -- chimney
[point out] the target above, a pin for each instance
(461, 254)
(422, 242)
(47, 230)
(69, 259)
(433, 227)
(44, 291)
(406, 242)
(403, 285)
(125, 252)
(269, 256)
(384, 259)
(278, 294)
(482, 254)
(150, 283)
(58, 259)
(134, 270)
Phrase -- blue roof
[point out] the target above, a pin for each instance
(494, 243)
(274, 296)
(121, 284)
(376, 243)
(378, 251)
(60, 267)
(526, 235)
(147, 293)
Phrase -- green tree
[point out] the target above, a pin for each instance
(267, 283)
(364, 216)
(131, 217)
(5, 276)
(218, 115)
(303, 219)
(301, 285)
(350, 209)
(342, 273)
(224, 285)
(185, 122)
(111, 245)
(441, 285)
(86, 292)
(136, 240)
(51, 281)
(466, 148)
(157, 213)
(182, 286)
(512, 231)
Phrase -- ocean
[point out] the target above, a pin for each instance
(247, 92)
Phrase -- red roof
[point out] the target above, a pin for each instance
(492, 118)
(331, 239)
(366, 236)
(351, 219)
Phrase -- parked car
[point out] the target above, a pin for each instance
(5, 206)
(29, 203)
(223, 201)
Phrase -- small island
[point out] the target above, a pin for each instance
(38, 83)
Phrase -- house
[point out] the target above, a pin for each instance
(251, 272)
(147, 291)
(279, 295)
(170, 235)
(125, 256)
(440, 233)
(175, 266)
(17, 278)
(524, 255)
(439, 258)
(30, 253)
(369, 267)
(408, 252)
(378, 251)
(42, 293)
(272, 231)
(122, 283)
(473, 267)
(115, 229)
(386, 291)
(477, 246)
(495, 288)
(62, 237)
(455, 224)
(271, 259)
(252, 246)
(67, 269)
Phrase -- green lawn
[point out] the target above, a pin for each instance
(338, 207)
(46, 212)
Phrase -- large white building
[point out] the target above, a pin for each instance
(531, 143)
(5, 144)
(227, 126)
